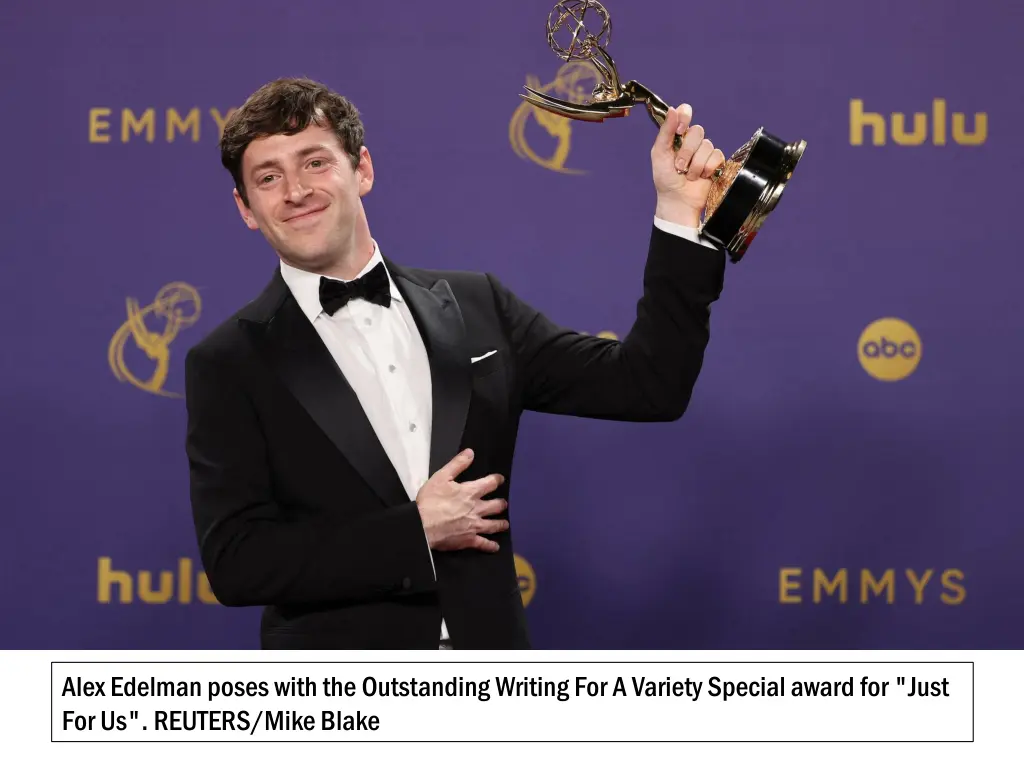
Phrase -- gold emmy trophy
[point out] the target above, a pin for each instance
(743, 191)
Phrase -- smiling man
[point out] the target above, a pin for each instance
(351, 430)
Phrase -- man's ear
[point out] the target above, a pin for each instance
(244, 212)
(365, 171)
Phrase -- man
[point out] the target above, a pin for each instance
(351, 430)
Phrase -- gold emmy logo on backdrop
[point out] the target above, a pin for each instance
(170, 124)
(175, 307)
(527, 579)
(573, 81)
(869, 589)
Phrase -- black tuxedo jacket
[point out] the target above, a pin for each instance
(296, 505)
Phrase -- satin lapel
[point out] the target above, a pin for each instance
(440, 322)
(298, 355)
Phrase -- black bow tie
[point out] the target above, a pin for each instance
(373, 286)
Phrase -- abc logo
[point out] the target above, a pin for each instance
(527, 579)
(889, 349)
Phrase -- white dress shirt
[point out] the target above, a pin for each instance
(381, 354)
(680, 230)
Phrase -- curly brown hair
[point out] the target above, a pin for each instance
(287, 106)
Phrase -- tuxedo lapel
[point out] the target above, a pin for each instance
(298, 355)
(440, 323)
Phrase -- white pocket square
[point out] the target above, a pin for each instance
(478, 359)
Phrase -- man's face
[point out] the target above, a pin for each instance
(304, 196)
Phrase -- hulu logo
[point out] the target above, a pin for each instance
(171, 586)
(897, 126)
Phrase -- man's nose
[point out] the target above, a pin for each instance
(297, 191)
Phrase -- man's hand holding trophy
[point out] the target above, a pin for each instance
(735, 195)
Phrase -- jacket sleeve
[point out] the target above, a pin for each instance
(650, 374)
(255, 552)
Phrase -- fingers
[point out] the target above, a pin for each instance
(691, 143)
(667, 132)
(457, 465)
(468, 541)
(490, 507)
(483, 486)
(484, 545)
(685, 112)
(478, 529)
(677, 120)
(714, 162)
(700, 158)
(493, 526)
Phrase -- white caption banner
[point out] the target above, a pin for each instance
(585, 701)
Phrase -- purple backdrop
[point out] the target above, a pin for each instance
(795, 475)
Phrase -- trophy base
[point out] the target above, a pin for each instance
(748, 189)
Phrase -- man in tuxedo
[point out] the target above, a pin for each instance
(351, 430)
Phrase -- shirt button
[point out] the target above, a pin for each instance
(412, 427)
(391, 368)
(406, 583)
(368, 321)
